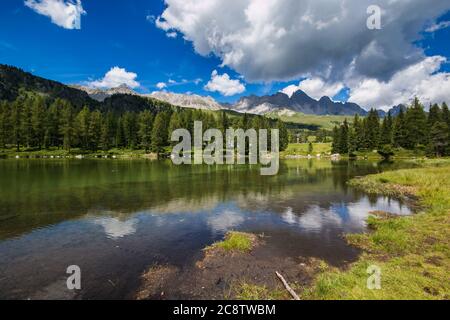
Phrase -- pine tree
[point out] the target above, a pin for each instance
(343, 138)
(26, 127)
(445, 114)
(284, 135)
(400, 132)
(145, 129)
(372, 130)
(120, 136)
(439, 138)
(359, 134)
(51, 127)
(67, 127)
(130, 129)
(224, 123)
(95, 127)
(434, 115)
(4, 124)
(336, 140)
(159, 133)
(82, 122)
(416, 126)
(107, 132)
(38, 117)
(16, 121)
(386, 137)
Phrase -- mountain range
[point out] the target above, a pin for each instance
(12, 80)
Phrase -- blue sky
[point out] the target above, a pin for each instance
(124, 34)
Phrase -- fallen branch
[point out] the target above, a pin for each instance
(288, 288)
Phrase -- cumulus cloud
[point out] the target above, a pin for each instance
(315, 88)
(64, 13)
(267, 40)
(116, 77)
(161, 85)
(224, 84)
(418, 80)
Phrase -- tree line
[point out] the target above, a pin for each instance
(413, 129)
(33, 123)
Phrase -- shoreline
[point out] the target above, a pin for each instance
(412, 252)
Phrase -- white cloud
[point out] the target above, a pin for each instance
(419, 80)
(64, 13)
(172, 35)
(438, 26)
(268, 40)
(161, 85)
(224, 85)
(116, 77)
(315, 88)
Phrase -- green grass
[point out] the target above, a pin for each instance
(236, 241)
(322, 122)
(413, 252)
(61, 153)
(302, 149)
(250, 292)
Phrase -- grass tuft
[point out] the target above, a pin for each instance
(236, 241)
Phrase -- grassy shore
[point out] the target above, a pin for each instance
(413, 253)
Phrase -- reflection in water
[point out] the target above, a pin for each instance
(115, 218)
(116, 229)
(225, 220)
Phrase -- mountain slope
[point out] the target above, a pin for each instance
(187, 100)
(298, 102)
(13, 80)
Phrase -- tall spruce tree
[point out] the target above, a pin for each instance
(416, 126)
(67, 126)
(38, 115)
(400, 131)
(386, 137)
(145, 129)
(372, 130)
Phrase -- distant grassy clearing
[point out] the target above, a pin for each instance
(302, 149)
(324, 122)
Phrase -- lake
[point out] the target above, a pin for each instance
(115, 218)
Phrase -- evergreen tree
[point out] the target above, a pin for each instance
(51, 127)
(4, 124)
(38, 116)
(16, 121)
(107, 132)
(130, 129)
(284, 135)
(95, 127)
(387, 130)
(336, 140)
(120, 135)
(224, 123)
(159, 133)
(343, 138)
(358, 141)
(372, 130)
(400, 132)
(67, 127)
(439, 138)
(145, 129)
(26, 127)
(82, 120)
(434, 115)
(416, 126)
